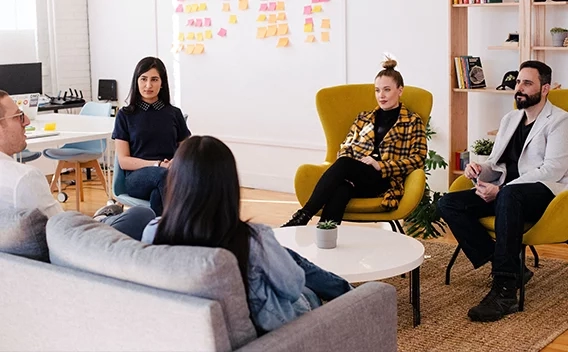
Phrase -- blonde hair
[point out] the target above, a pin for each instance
(389, 71)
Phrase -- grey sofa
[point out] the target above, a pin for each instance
(103, 291)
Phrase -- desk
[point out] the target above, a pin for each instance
(56, 107)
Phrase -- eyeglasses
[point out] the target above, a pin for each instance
(20, 114)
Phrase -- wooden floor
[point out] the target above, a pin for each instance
(275, 208)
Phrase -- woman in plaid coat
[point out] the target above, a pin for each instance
(381, 148)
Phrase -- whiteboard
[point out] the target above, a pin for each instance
(241, 83)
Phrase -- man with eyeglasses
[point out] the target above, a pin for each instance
(25, 187)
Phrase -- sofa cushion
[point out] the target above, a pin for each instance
(77, 241)
(22, 232)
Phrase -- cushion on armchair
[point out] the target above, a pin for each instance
(79, 242)
(22, 232)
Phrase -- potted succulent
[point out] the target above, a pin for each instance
(482, 148)
(558, 35)
(326, 234)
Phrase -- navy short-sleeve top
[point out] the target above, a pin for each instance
(153, 131)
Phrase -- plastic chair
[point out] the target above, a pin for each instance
(80, 155)
(25, 156)
(337, 108)
(119, 188)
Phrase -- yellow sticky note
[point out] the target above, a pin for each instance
(272, 30)
(310, 38)
(261, 32)
(200, 37)
(317, 8)
(283, 29)
(282, 16)
(189, 49)
(187, 9)
(325, 36)
(203, 6)
(233, 19)
(194, 8)
(325, 23)
(199, 49)
(282, 42)
(308, 27)
(226, 7)
(261, 18)
(243, 4)
(208, 34)
(280, 6)
(190, 36)
(272, 18)
(181, 37)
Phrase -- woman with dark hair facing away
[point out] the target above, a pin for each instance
(280, 284)
(147, 133)
(381, 148)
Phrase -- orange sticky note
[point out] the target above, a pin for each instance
(280, 6)
(243, 4)
(208, 34)
(282, 42)
(199, 49)
(261, 18)
(203, 6)
(233, 19)
(189, 49)
(176, 48)
(261, 32)
(325, 36)
(272, 29)
(310, 38)
(283, 29)
(226, 7)
(325, 23)
(308, 28)
(181, 36)
(282, 16)
(190, 36)
(200, 37)
(317, 8)
(272, 18)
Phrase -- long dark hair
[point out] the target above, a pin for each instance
(143, 66)
(202, 204)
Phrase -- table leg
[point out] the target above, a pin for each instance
(415, 295)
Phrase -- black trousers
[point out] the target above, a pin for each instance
(346, 178)
(515, 204)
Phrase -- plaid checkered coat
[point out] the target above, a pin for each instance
(402, 150)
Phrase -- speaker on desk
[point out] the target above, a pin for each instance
(107, 89)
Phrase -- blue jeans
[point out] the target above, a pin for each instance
(324, 284)
(515, 204)
(148, 183)
(132, 222)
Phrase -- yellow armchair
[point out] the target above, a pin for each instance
(337, 108)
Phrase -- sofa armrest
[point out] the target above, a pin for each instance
(364, 319)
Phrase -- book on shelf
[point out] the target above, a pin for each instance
(462, 159)
(469, 72)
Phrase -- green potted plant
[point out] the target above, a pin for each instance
(558, 35)
(482, 149)
(326, 234)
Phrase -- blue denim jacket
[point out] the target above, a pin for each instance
(275, 280)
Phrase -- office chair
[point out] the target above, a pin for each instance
(119, 188)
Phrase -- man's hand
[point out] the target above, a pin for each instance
(370, 161)
(166, 163)
(472, 170)
(486, 191)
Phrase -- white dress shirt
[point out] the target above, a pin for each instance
(24, 186)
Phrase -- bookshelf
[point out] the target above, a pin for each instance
(533, 44)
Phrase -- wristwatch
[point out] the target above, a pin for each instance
(158, 163)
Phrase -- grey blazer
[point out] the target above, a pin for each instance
(544, 157)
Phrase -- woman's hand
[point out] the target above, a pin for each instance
(370, 161)
(166, 163)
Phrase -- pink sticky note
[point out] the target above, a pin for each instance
(308, 10)
(272, 6)
(179, 8)
(263, 7)
(190, 22)
(315, 1)
(222, 32)
(207, 22)
(309, 20)
(199, 22)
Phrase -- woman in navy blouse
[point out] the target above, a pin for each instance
(147, 133)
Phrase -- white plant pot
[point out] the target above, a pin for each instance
(558, 39)
(326, 239)
(480, 159)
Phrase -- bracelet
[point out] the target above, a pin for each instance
(159, 163)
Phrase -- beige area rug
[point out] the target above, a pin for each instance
(445, 325)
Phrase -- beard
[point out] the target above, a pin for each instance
(530, 100)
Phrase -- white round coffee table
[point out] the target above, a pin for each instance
(362, 254)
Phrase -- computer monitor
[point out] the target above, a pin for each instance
(21, 78)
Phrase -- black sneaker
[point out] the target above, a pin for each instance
(500, 301)
(300, 218)
(108, 210)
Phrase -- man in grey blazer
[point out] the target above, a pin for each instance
(526, 169)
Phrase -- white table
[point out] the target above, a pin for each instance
(362, 254)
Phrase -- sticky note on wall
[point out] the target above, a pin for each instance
(325, 23)
(190, 36)
(308, 27)
(317, 8)
(208, 34)
(282, 29)
(310, 38)
(272, 29)
(207, 22)
(261, 18)
(282, 16)
(325, 36)
(280, 6)
(189, 49)
(233, 19)
(200, 37)
(226, 7)
(199, 49)
(243, 5)
(282, 42)
(308, 10)
(272, 18)
(272, 6)
(203, 6)
(222, 32)
(261, 32)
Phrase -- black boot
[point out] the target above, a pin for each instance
(300, 218)
(500, 301)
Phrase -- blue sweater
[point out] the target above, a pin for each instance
(275, 280)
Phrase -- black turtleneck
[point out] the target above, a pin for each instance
(384, 120)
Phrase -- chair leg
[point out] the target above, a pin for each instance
(451, 263)
(56, 176)
(95, 165)
(393, 226)
(399, 226)
(521, 273)
(535, 254)
(78, 186)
